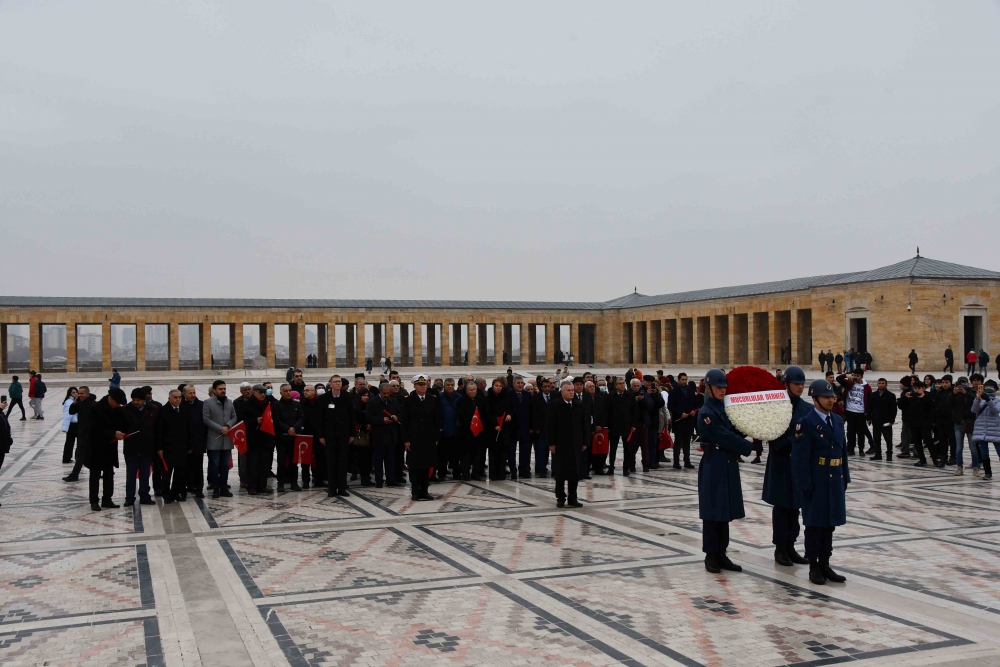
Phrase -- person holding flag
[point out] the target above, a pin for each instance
(469, 430)
(336, 432)
(255, 414)
(383, 415)
(421, 420)
(173, 444)
(289, 422)
(499, 417)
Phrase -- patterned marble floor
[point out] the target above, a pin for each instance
(489, 573)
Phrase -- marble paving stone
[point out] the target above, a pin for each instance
(474, 626)
(545, 542)
(46, 522)
(753, 531)
(874, 472)
(110, 644)
(932, 566)
(60, 584)
(33, 491)
(608, 488)
(449, 497)
(278, 508)
(965, 487)
(335, 560)
(699, 618)
(911, 511)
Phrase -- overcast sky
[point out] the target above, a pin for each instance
(537, 150)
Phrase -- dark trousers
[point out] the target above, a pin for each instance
(218, 467)
(446, 457)
(682, 444)
(360, 460)
(108, 474)
(464, 468)
(944, 435)
(614, 435)
(883, 432)
(855, 431)
(714, 537)
(258, 466)
(818, 542)
(983, 448)
(70, 441)
(18, 403)
(158, 474)
(385, 460)
(949, 366)
(400, 459)
(524, 447)
(541, 454)
(636, 444)
(563, 493)
(919, 436)
(137, 466)
(479, 456)
(904, 439)
(969, 370)
(652, 442)
(337, 459)
(419, 481)
(585, 463)
(241, 467)
(784, 525)
(174, 483)
(288, 472)
(195, 468)
(498, 459)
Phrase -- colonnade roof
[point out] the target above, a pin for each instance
(916, 267)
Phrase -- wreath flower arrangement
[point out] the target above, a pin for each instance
(756, 403)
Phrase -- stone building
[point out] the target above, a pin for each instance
(920, 303)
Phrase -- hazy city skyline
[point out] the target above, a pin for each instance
(456, 151)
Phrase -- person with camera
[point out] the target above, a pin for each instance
(917, 410)
(986, 407)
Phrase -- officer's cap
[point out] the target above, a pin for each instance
(821, 388)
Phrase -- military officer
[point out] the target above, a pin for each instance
(778, 476)
(820, 478)
(421, 422)
(720, 492)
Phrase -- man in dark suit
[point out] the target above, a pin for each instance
(683, 407)
(337, 430)
(881, 415)
(567, 435)
(539, 414)
(624, 414)
(519, 447)
(587, 401)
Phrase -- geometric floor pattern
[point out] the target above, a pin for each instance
(489, 573)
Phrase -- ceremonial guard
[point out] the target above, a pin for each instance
(720, 493)
(820, 478)
(420, 418)
(778, 476)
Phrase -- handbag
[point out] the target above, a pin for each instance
(362, 439)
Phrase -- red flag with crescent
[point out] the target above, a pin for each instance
(477, 424)
(303, 451)
(267, 425)
(238, 434)
(599, 444)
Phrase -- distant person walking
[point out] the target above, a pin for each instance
(913, 360)
(16, 392)
(116, 380)
(949, 361)
(36, 394)
(970, 362)
(984, 362)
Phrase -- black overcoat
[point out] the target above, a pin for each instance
(567, 430)
(421, 423)
(338, 425)
(173, 435)
(105, 420)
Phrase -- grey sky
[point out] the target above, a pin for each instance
(290, 149)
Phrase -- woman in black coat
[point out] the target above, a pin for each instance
(260, 444)
(468, 443)
(499, 421)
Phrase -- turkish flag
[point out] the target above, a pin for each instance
(166, 468)
(238, 434)
(302, 454)
(267, 426)
(500, 419)
(665, 441)
(477, 424)
(599, 444)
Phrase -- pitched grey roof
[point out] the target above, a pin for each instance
(916, 267)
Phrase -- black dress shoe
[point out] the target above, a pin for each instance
(712, 563)
(828, 573)
(677, 466)
(378, 485)
(560, 503)
(109, 504)
(781, 557)
(877, 457)
(816, 574)
(147, 501)
(727, 564)
(574, 503)
(645, 469)
(689, 466)
(295, 487)
(71, 478)
(626, 473)
(756, 459)
(129, 503)
(426, 496)
(199, 494)
(794, 556)
(343, 493)
(167, 500)
(95, 507)
(367, 482)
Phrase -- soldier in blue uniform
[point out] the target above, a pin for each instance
(820, 478)
(720, 492)
(778, 476)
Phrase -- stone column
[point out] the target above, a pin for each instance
(331, 344)
(269, 346)
(734, 352)
(105, 346)
(418, 345)
(359, 345)
(574, 341)
(174, 345)
(773, 344)
(498, 344)
(525, 330)
(794, 334)
(236, 345)
(140, 345)
(206, 345)
(550, 343)
(70, 347)
(670, 341)
(390, 342)
(446, 359)
(35, 344)
(300, 345)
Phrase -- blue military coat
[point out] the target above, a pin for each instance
(820, 488)
(778, 474)
(720, 493)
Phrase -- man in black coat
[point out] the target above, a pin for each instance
(601, 413)
(193, 407)
(949, 360)
(539, 414)
(881, 416)
(587, 401)
(421, 421)
(568, 435)
(383, 416)
(337, 430)
(683, 407)
(288, 422)
(105, 433)
(624, 412)
(917, 414)
(260, 444)
(140, 428)
(81, 407)
(173, 446)
(312, 424)
(5, 438)
(519, 452)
